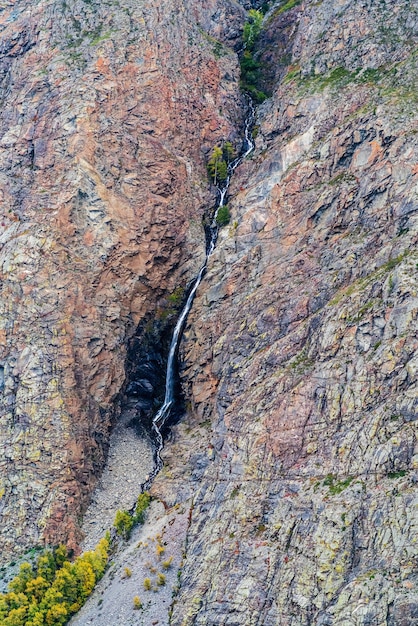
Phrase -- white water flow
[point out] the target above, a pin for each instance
(164, 413)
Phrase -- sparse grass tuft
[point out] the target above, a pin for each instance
(167, 564)
(159, 549)
(137, 603)
(336, 486)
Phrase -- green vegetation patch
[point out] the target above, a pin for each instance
(252, 28)
(176, 297)
(250, 67)
(395, 83)
(218, 48)
(301, 362)
(223, 216)
(361, 283)
(290, 4)
(338, 78)
(336, 486)
(398, 474)
(125, 521)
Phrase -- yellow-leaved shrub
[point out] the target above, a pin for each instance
(49, 593)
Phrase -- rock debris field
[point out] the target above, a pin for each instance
(154, 551)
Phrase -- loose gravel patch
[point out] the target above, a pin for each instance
(129, 462)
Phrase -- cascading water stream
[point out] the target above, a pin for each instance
(166, 409)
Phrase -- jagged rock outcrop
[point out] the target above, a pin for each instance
(107, 113)
(297, 457)
(299, 453)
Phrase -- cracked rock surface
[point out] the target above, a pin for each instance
(300, 358)
(107, 113)
(292, 479)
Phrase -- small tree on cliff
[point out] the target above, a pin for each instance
(217, 167)
(219, 160)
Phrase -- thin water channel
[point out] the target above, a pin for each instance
(164, 413)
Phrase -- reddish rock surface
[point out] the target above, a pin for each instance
(108, 112)
(297, 459)
(301, 352)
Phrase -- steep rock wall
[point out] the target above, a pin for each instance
(107, 113)
(299, 452)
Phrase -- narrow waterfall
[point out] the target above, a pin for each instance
(165, 411)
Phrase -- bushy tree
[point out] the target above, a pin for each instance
(223, 216)
(123, 523)
(52, 591)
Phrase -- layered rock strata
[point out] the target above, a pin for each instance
(299, 453)
(107, 113)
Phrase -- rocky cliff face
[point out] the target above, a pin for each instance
(108, 112)
(300, 360)
(297, 457)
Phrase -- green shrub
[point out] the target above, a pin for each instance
(287, 6)
(336, 486)
(399, 474)
(223, 216)
(252, 28)
(142, 504)
(147, 584)
(123, 523)
(174, 298)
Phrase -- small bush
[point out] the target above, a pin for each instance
(147, 584)
(127, 572)
(336, 486)
(174, 298)
(290, 4)
(159, 549)
(137, 603)
(399, 474)
(167, 564)
(123, 523)
(223, 216)
(160, 579)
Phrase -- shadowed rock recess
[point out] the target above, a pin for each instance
(297, 458)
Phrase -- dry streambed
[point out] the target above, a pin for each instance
(144, 570)
(129, 462)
